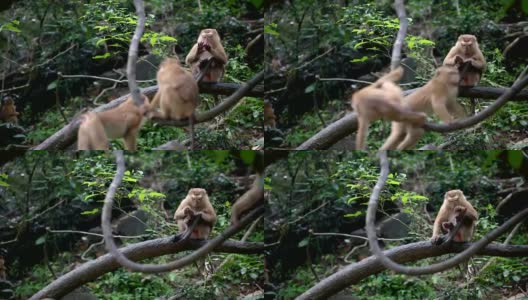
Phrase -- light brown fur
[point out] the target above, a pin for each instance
(382, 100)
(248, 200)
(8, 111)
(468, 52)
(269, 115)
(438, 96)
(196, 202)
(177, 94)
(123, 121)
(208, 46)
(454, 204)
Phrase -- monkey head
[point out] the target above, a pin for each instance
(197, 195)
(448, 74)
(453, 195)
(468, 42)
(208, 37)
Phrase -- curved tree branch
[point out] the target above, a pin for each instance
(155, 268)
(354, 273)
(91, 270)
(133, 53)
(396, 49)
(482, 115)
(434, 268)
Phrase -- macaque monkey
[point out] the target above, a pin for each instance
(196, 204)
(177, 94)
(438, 96)
(8, 111)
(382, 100)
(123, 121)
(3, 269)
(453, 209)
(248, 200)
(208, 47)
(269, 115)
(472, 63)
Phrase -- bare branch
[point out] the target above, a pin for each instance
(133, 53)
(354, 273)
(181, 262)
(91, 270)
(396, 49)
(434, 268)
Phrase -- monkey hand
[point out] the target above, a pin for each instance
(188, 212)
(437, 240)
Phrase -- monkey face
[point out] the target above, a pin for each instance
(197, 194)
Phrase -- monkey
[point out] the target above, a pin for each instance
(177, 94)
(3, 269)
(195, 204)
(8, 111)
(458, 216)
(269, 116)
(438, 96)
(472, 64)
(208, 47)
(382, 100)
(454, 204)
(123, 121)
(248, 200)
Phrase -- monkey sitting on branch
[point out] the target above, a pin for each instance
(455, 209)
(207, 57)
(382, 100)
(195, 216)
(177, 94)
(467, 55)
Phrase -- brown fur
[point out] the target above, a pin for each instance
(269, 115)
(454, 204)
(8, 111)
(208, 46)
(382, 100)
(248, 200)
(123, 121)
(438, 96)
(196, 202)
(177, 94)
(468, 52)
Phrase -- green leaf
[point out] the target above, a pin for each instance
(52, 85)
(356, 214)
(90, 212)
(3, 183)
(166, 38)
(257, 3)
(248, 156)
(310, 88)
(41, 240)
(303, 243)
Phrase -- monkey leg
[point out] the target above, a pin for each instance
(396, 136)
(411, 139)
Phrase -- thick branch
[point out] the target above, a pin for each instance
(181, 262)
(482, 92)
(68, 134)
(91, 270)
(434, 268)
(354, 273)
(396, 49)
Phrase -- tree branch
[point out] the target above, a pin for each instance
(396, 49)
(133, 53)
(354, 273)
(181, 262)
(91, 270)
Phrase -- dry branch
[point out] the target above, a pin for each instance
(354, 273)
(66, 136)
(90, 271)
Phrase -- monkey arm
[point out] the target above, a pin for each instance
(219, 54)
(471, 212)
(478, 62)
(208, 215)
(193, 55)
(180, 212)
(450, 57)
(440, 109)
